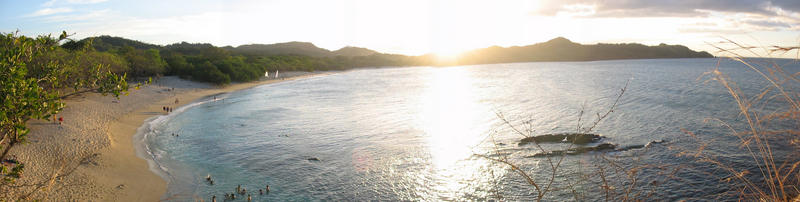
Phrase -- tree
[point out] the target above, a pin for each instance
(209, 72)
(177, 65)
(143, 63)
(33, 86)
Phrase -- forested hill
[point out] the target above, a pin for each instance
(298, 48)
(206, 62)
(562, 49)
(288, 48)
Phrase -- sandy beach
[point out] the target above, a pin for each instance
(92, 156)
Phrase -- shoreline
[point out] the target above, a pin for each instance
(95, 155)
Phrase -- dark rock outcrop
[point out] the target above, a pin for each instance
(576, 138)
(604, 147)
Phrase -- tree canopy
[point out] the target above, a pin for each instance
(35, 75)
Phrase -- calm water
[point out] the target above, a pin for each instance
(411, 133)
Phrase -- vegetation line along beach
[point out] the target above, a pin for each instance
(97, 134)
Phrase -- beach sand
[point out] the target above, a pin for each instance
(92, 157)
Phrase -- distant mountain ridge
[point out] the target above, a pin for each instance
(562, 49)
(287, 48)
(557, 49)
(354, 51)
(220, 65)
(299, 48)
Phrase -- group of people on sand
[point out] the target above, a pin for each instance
(239, 190)
(169, 109)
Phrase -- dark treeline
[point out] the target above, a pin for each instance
(221, 65)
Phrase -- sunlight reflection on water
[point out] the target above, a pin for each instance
(451, 115)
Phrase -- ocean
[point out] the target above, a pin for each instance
(430, 133)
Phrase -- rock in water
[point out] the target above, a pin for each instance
(577, 138)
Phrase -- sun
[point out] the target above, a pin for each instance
(448, 55)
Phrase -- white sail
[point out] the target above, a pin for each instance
(276, 74)
(266, 74)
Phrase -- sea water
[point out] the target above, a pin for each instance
(419, 133)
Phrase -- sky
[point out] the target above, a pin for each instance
(415, 27)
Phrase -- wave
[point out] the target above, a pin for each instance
(150, 127)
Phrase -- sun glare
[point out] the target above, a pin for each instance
(448, 56)
(448, 114)
(452, 120)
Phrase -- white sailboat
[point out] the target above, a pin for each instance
(276, 74)
(266, 74)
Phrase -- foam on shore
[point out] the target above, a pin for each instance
(149, 128)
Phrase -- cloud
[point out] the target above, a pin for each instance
(53, 2)
(767, 24)
(633, 8)
(49, 3)
(98, 14)
(85, 1)
(768, 15)
(49, 11)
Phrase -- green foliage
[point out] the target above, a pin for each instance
(143, 63)
(34, 72)
(177, 65)
(209, 72)
(107, 43)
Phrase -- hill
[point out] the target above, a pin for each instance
(209, 63)
(109, 43)
(288, 48)
(354, 51)
(298, 48)
(562, 49)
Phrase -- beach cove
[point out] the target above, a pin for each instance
(413, 133)
(92, 155)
